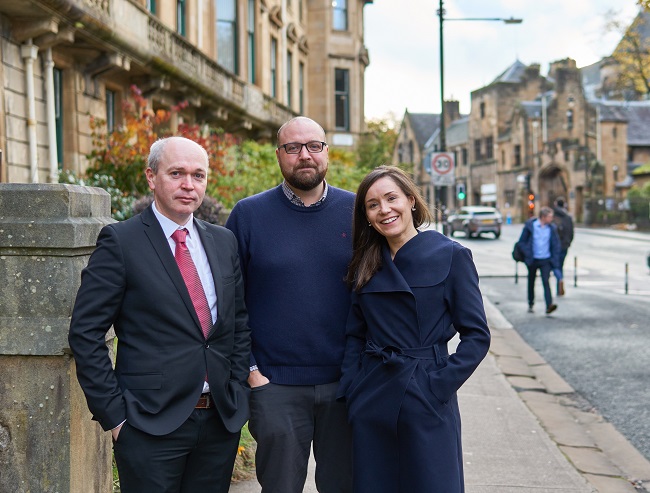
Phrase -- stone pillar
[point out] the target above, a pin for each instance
(48, 442)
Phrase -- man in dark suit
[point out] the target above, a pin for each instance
(178, 397)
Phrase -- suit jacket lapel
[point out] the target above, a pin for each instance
(160, 244)
(212, 252)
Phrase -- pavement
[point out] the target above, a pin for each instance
(525, 430)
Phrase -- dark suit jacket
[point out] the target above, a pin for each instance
(132, 282)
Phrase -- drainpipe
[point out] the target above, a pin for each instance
(29, 53)
(544, 122)
(599, 149)
(51, 117)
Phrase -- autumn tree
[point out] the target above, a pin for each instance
(376, 145)
(632, 55)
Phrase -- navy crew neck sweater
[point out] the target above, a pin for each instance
(294, 260)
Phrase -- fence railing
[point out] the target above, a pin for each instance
(608, 211)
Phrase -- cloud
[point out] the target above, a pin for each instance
(403, 41)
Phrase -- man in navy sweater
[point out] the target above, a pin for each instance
(295, 246)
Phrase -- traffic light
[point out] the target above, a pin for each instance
(460, 191)
(531, 202)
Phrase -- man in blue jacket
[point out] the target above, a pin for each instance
(541, 246)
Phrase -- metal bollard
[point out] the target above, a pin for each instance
(516, 272)
(575, 272)
(626, 275)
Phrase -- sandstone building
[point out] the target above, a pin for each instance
(242, 65)
(530, 138)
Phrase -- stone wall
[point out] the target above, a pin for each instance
(48, 442)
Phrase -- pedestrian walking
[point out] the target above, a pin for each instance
(540, 245)
(564, 223)
(295, 244)
(172, 288)
(412, 292)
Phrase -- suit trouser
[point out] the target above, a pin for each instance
(198, 456)
(545, 267)
(285, 419)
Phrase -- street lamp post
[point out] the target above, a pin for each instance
(441, 15)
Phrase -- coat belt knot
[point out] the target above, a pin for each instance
(393, 356)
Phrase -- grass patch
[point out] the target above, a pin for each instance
(245, 460)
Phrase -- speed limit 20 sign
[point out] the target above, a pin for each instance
(442, 168)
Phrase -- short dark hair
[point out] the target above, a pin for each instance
(545, 211)
(559, 201)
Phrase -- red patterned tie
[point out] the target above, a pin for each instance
(192, 281)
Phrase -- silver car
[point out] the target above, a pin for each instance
(474, 220)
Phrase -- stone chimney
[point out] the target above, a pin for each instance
(452, 112)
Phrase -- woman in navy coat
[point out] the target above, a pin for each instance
(412, 292)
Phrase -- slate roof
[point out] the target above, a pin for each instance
(613, 112)
(423, 125)
(638, 123)
(637, 115)
(458, 131)
(514, 73)
(591, 79)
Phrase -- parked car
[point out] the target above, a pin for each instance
(474, 220)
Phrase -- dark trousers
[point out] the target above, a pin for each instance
(285, 420)
(544, 266)
(199, 456)
(563, 254)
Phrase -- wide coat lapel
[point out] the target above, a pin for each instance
(388, 277)
(160, 244)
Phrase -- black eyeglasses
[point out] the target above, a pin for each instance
(313, 147)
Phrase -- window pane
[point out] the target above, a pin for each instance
(227, 10)
(301, 88)
(227, 34)
(274, 60)
(341, 81)
(180, 17)
(341, 99)
(251, 41)
(58, 116)
(340, 20)
(226, 44)
(110, 110)
(339, 15)
(289, 77)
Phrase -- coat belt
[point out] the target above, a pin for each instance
(392, 355)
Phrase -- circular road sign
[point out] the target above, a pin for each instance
(442, 163)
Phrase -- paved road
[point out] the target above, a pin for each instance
(599, 338)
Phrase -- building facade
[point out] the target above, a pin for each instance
(245, 66)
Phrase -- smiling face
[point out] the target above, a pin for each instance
(305, 170)
(388, 210)
(180, 180)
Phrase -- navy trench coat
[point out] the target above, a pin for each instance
(398, 380)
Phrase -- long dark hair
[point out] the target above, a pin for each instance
(366, 241)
